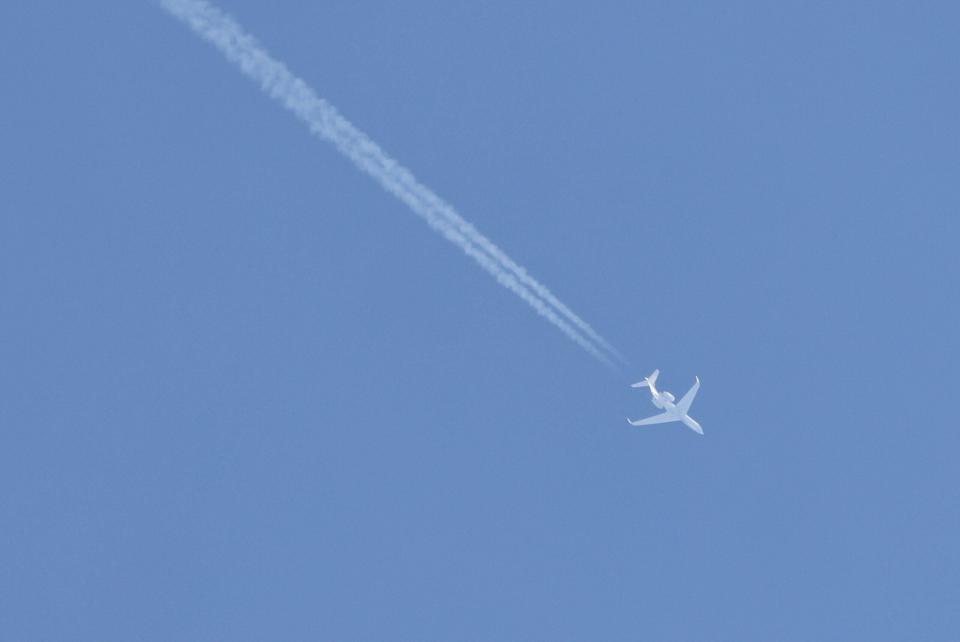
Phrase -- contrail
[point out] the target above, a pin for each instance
(325, 121)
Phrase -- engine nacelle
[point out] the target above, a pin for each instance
(664, 397)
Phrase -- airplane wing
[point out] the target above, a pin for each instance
(662, 418)
(684, 404)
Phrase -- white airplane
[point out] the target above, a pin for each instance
(671, 411)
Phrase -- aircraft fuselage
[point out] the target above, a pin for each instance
(667, 402)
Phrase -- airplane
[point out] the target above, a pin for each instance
(672, 410)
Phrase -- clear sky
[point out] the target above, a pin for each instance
(248, 395)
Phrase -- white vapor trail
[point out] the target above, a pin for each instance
(323, 120)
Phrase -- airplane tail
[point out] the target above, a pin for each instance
(649, 382)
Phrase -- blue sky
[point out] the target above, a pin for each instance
(249, 395)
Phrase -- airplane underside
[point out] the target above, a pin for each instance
(672, 411)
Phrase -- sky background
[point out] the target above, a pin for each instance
(248, 395)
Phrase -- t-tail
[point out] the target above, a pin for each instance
(649, 382)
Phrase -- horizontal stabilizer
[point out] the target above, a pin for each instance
(649, 382)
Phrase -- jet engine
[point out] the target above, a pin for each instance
(664, 397)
